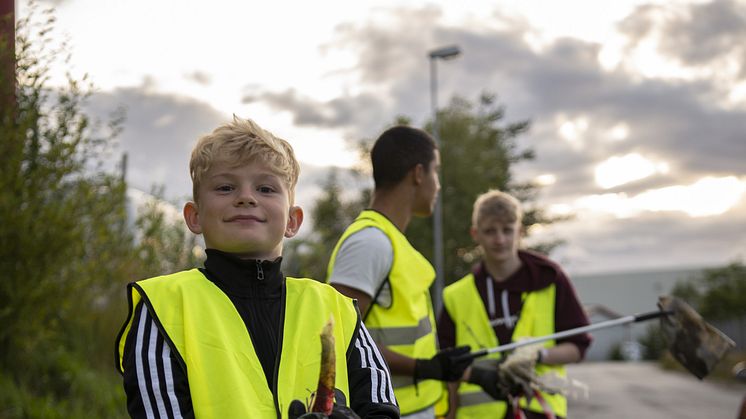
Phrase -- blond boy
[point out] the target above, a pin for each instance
(236, 338)
(509, 295)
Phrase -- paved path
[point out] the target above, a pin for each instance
(641, 390)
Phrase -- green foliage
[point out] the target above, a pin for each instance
(58, 215)
(653, 343)
(615, 353)
(478, 151)
(331, 214)
(477, 154)
(718, 293)
(165, 244)
(92, 393)
(66, 247)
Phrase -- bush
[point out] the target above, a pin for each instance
(653, 343)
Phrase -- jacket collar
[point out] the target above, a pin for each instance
(244, 277)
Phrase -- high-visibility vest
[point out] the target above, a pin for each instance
(473, 328)
(408, 325)
(225, 376)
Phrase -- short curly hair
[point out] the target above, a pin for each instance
(240, 142)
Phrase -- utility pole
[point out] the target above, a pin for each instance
(445, 53)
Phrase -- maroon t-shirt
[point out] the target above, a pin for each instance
(536, 272)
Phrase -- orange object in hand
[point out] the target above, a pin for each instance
(324, 398)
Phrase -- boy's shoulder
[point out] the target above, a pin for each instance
(463, 283)
(538, 259)
(542, 268)
(174, 276)
(315, 286)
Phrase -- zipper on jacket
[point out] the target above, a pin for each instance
(259, 270)
(279, 349)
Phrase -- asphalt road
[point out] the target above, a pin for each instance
(640, 390)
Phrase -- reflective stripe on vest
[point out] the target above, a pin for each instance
(221, 365)
(408, 325)
(473, 328)
(402, 335)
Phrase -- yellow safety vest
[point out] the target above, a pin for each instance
(225, 376)
(408, 325)
(473, 328)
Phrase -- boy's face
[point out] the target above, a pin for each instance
(244, 210)
(499, 239)
(427, 193)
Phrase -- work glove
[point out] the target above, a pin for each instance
(297, 410)
(444, 366)
(489, 380)
(517, 371)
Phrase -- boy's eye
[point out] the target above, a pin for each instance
(266, 189)
(224, 188)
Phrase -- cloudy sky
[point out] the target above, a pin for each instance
(638, 108)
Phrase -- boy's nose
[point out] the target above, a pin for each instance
(246, 199)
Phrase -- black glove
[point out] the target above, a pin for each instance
(297, 410)
(444, 366)
(489, 380)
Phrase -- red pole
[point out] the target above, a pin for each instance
(7, 53)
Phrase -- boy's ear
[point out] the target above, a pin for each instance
(473, 233)
(191, 216)
(418, 174)
(295, 219)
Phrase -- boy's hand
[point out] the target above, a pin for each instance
(489, 380)
(297, 410)
(444, 366)
(519, 369)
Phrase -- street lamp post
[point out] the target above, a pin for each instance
(444, 53)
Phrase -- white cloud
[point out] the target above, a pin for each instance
(546, 179)
(573, 130)
(737, 94)
(619, 132)
(668, 111)
(616, 171)
(708, 196)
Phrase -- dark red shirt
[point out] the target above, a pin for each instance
(536, 272)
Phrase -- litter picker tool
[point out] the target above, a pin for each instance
(697, 345)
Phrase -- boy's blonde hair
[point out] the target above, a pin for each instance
(498, 204)
(239, 142)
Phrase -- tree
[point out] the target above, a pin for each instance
(717, 293)
(478, 151)
(331, 214)
(67, 248)
(55, 205)
(163, 244)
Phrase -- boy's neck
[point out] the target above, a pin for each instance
(395, 205)
(502, 270)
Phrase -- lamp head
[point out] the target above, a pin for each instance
(446, 52)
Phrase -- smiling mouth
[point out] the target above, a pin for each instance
(244, 218)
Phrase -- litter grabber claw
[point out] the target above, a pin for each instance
(697, 345)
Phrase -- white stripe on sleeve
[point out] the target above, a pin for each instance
(366, 363)
(168, 373)
(386, 389)
(153, 362)
(141, 383)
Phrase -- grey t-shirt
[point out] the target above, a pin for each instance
(363, 262)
